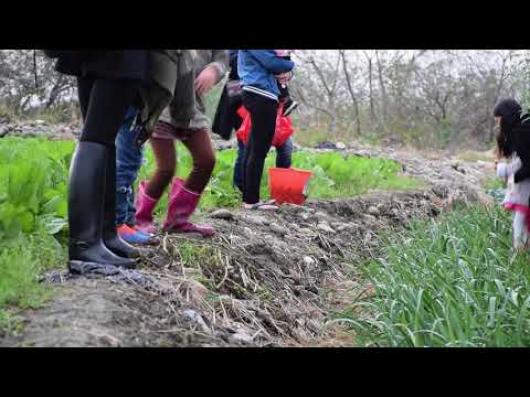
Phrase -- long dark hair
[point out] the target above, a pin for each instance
(509, 111)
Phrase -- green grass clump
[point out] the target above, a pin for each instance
(22, 260)
(454, 282)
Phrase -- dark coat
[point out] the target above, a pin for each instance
(226, 119)
(156, 69)
(118, 64)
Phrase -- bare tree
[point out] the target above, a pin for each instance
(353, 96)
(321, 80)
(437, 97)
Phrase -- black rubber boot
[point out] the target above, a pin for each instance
(110, 235)
(85, 210)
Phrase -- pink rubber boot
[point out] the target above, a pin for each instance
(182, 203)
(145, 206)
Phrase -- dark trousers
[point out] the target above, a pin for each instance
(104, 104)
(283, 160)
(263, 117)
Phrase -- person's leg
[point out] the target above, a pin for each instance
(149, 192)
(284, 154)
(128, 163)
(114, 98)
(238, 166)
(130, 219)
(108, 103)
(105, 105)
(185, 197)
(110, 233)
(263, 115)
(202, 153)
(130, 231)
(165, 158)
(518, 231)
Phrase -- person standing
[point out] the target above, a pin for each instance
(109, 83)
(184, 120)
(258, 70)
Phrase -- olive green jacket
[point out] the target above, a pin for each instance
(159, 91)
(187, 110)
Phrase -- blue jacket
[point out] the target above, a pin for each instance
(257, 70)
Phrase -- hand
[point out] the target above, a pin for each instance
(283, 78)
(206, 80)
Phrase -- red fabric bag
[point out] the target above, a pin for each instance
(284, 127)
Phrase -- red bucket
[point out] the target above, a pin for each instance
(288, 185)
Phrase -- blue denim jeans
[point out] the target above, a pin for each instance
(283, 160)
(128, 162)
